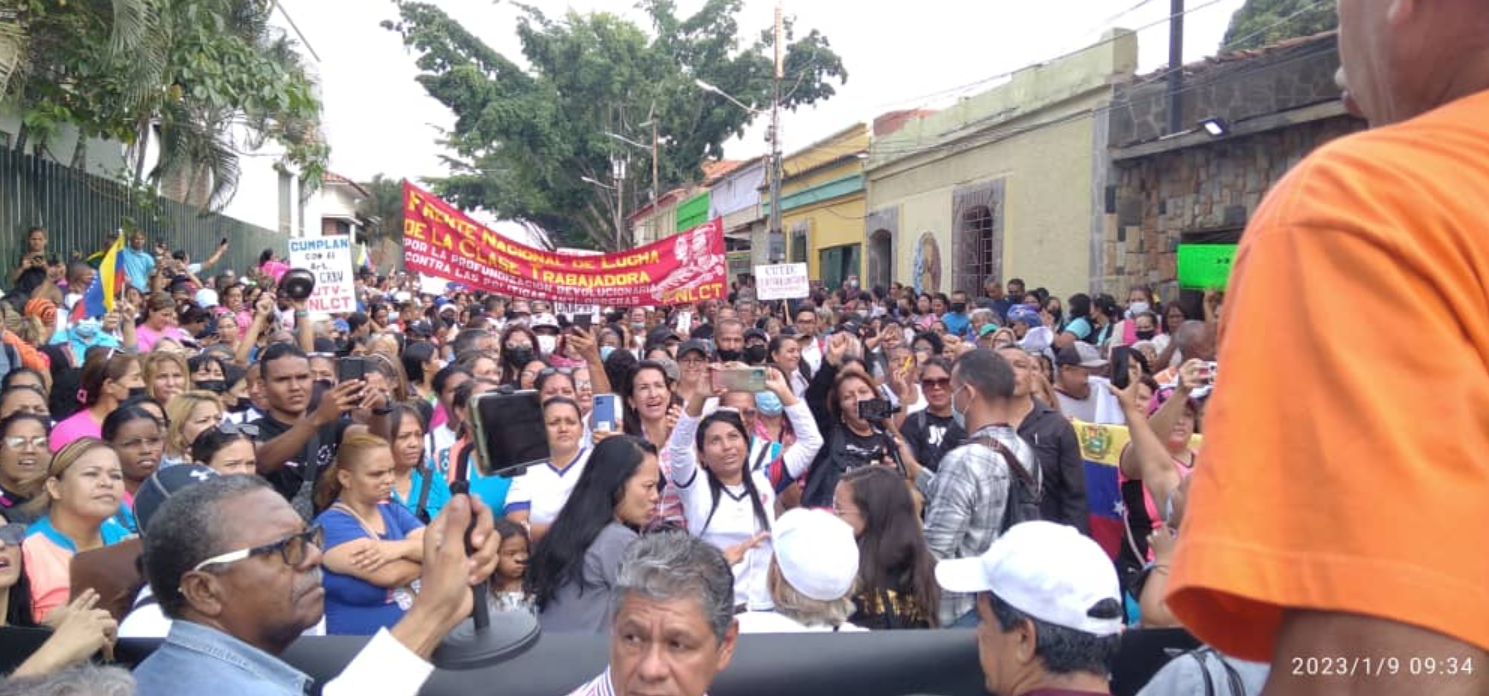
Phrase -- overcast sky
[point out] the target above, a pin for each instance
(905, 55)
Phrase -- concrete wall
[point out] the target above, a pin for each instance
(1035, 135)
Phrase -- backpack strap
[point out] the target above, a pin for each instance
(1016, 468)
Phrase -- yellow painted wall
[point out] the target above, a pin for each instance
(834, 222)
(1050, 195)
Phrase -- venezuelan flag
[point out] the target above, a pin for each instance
(1101, 450)
(98, 299)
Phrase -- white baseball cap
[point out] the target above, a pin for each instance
(816, 552)
(1049, 571)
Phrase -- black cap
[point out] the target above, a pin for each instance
(690, 346)
(757, 333)
(163, 484)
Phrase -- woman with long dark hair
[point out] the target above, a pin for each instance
(137, 437)
(519, 347)
(420, 364)
(896, 578)
(574, 568)
(24, 459)
(733, 505)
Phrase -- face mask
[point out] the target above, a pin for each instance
(606, 352)
(547, 344)
(1136, 308)
(959, 416)
(518, 356)
(638, 326)
(216, 386)
(769, 404)
(730, 355)
(755, 355)
(958, 307)
(137, 392)
(1146, 335)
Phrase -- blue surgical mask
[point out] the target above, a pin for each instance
(959, 416)
(605, 352)
(769, 404)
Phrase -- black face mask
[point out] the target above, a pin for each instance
(519, 356)
(755, 355)
(958, 307)
(138, 392)
(730, 355)
(216, 386)
(1146, 335)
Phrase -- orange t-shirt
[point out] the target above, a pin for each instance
(1355, 480)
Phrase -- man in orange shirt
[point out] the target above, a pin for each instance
(1337, 517)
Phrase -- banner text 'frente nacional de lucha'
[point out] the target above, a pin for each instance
(441, 241)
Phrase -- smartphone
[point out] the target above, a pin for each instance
(1208, 371)
(604, 417)
(685, 322)
(349, 369)
(582, 321)
(1121, 361)
(742, 379)
(510, 433)
(875, 410)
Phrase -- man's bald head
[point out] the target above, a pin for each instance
(1195, 340)
(1403, 58)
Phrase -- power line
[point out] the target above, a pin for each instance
(994, 135)
(1000, 76)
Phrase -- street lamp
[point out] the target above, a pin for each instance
(715, 90)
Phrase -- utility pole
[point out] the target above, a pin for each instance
(775, 139)
(618, 173)
(654, 185)
(1175, 66)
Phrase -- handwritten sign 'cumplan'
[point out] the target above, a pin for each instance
(330, 259)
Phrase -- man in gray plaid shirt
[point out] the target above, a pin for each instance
(967, 496)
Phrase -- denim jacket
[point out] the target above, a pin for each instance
(196, 659)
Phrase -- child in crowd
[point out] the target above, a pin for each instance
(507, 584)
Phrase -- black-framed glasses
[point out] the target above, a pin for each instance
(12, 534)
(293, 549)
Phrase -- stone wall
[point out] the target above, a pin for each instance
(1235, 87)
(1209, 190)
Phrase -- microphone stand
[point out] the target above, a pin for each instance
(480, 642)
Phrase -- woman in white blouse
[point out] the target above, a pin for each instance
(731, 504)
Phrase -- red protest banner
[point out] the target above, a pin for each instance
(441, 241)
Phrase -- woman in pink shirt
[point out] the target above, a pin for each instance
(109, 377)
(160, 322)
(272, 267)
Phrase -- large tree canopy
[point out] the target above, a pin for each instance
(210, 78)
(525, 138)
(1263, 22)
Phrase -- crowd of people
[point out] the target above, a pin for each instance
(889, 430)
(196, 464)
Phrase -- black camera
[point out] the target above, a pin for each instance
(876, 410)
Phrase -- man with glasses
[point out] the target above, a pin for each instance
(1055, 446)
(241, 593)
(807, 335)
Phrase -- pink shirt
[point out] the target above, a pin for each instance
(145, 337)
(80, 424)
